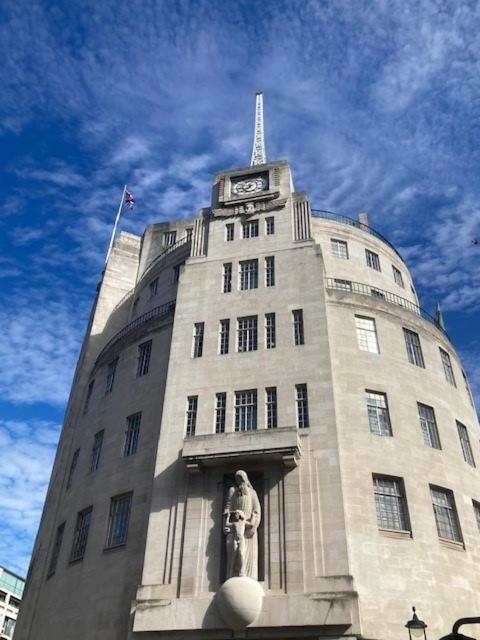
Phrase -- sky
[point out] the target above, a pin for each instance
(376, 105)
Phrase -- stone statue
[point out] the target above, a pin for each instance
(241, 518)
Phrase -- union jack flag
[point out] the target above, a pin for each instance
(129, 199)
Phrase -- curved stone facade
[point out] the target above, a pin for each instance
(313, 392)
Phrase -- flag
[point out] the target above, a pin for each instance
(129, 199)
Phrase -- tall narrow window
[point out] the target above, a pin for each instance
(373, 261)
(303, 420)
(339, 249)
(467, 387)
(56, 549)
(270, 271)
(8, 626)
(465, 443)
(246, 410)
(91, 384)
(96, 450)
(111, 370)
(153, 288)
(191, 417)
(176, 272)
(476, 511)
(118, 520)
(248, 274)
(224, 336)
(390, 503)
(169, 238)
(378, 416)
(197, 347)
(270, 331)
(397, 276)
(447, 367)
(271, 407)
(73, 465)
(445, 512)
(132, 434)
(229, 232)
(227, 277)
(189, 233)
(247, 334)
(250, 229)
(269, 226)
(414, 348)
(220, 412)
(80, 535)
(298, 333)
(143, 358)
(366, 334)
(428, 425)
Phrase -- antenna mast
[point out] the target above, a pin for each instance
(258, 152)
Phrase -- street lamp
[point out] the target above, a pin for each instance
(416, 628)
(459, 636)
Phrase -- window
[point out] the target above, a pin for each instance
(447, 367)
(118, 520)
(445, 512)
(339, 249)
(176, 272)
(220, 412)
(298, 335)
(13, 602)
(132, 433)
(271, 407)
(55, 551)
(8, 626)
(302, 406)
(390, 503)
(3, 596)
(247, 334)
(96, 450)
(229, 232)
(224, 336)
(366, 334)
(428, 425)
(248, 274)
(378, 416)
(246, 410)
(153, 288)
(269, 226)
(143, 358)
(467, 387)
(476, 511)
(191, 417)
(169, 238)
(343, 285)
(80, 535)
(89, 395)
(250, 229)
(270, 331)
(197, 347)
(414, 348)
(189, 233)
(227, 277)
(397, 276)
(373, 261)
(465, 443)
(270, 271)
(111, 370)
(73, 465)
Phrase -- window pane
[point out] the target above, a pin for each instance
(56, 550)
(465, 443)
(229, 232)
(302, 406)
(246, 410)
(220, 412)
(80, 536)
(378, 416)
(339, 249)
(96, 450)
(227, 277)
(224, 336)
(271, 407)
(143, 359)
(248, 274)
(198, 331)
(390, 503)
(73, 466)
(270, 271)
(247, 338)
(270, 331)
(118, 520)
(428, 425)
(414, 349)
(298, 334)
(250, 229)
(397, 276)
(447, 367)
(445, 514)
(191, 418)
(112, 368)
(373, 261)
(132, 433)
(269, 226)
(366, 334)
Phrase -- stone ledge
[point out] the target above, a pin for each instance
(281, 445)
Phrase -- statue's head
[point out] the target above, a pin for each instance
(242, 481)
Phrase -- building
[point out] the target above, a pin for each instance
(11, 591)
(261, 336)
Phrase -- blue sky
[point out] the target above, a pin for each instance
(375, 104)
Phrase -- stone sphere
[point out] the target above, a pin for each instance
(239, 601)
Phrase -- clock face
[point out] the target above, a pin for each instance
(250, 184)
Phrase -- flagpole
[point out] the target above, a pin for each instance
(114, 231)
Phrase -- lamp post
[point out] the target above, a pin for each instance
(416, 628)
(459, 636)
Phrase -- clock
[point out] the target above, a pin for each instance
(247, 185)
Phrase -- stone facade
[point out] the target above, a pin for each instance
(328, 564)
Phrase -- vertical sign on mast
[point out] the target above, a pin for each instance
(258, 153)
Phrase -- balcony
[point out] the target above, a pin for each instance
(280, 445)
